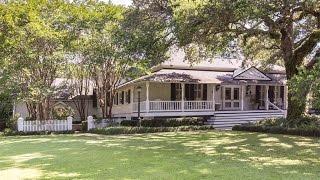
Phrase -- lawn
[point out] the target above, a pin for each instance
(200, 155)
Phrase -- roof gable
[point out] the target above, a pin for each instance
(251, 73)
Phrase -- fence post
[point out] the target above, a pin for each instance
(69, 121)
(20, 124)
(90, 122)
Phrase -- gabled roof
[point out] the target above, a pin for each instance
(177, 60)
(251, 73)
(206, 77)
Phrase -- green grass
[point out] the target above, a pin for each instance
(184, 155)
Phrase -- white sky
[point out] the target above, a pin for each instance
(122, 2)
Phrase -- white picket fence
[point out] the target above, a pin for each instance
(47, 125)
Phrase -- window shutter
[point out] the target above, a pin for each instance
(129, 96)
(173, 91)
(205, 92)
(192, 92)
(282, 92)
(117, 98)
(186, 91)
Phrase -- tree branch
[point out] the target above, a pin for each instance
(314, 61)
(307, 46)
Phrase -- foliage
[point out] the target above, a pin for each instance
(164, 122)
(84, 125)
(11, 132)
(132, 123)
(304, 126)
(306, 131)
(34, 35)
(5, 107)
(140, 130)
(61, 112)
(12, 123)
(272, 122)
(267, 32)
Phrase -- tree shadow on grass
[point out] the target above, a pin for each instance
(190, 155)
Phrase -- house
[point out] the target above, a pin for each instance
(221, 90)
(66, 101)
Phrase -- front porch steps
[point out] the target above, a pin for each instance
(226, 120)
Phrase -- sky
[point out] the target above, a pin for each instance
(122, 2)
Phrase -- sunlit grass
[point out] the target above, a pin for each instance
(185, 155)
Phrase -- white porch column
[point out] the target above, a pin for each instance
(242, 97)
(266, 98)
(147, 97)
(182, 96)
(132, 97)
(213, 97)
(285, 101)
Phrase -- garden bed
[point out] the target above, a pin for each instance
(141, 130)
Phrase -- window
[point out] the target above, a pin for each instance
(176, 92)
(228, 94)
(236, 93)
(198, 91)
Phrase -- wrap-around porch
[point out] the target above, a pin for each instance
(196, 97)
(185, 99)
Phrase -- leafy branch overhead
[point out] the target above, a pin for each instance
(283, 32)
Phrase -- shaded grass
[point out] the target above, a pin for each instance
(183, 155)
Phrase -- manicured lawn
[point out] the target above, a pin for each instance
(201, 155)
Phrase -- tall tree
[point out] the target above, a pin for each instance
(100, 45)
(280, 31)
(34, 33)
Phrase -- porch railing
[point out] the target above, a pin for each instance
(274, 106)
(157, 106)
(165, 106)
(198, 105)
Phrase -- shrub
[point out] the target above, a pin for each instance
(140, 130)
(302, 122)
(164, 122)
(129, 123)
(84, 125)
(310, 131)
(2, 125)
(12, 123)
(272, 122)
(10, 132)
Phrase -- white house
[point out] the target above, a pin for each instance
(220, 90)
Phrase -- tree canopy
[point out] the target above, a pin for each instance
(285, 32)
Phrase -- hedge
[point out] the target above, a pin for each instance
(164, 122)
(9, 132)
(141, 130)
(312, 132)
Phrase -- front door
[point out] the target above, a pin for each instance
(231, 98)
